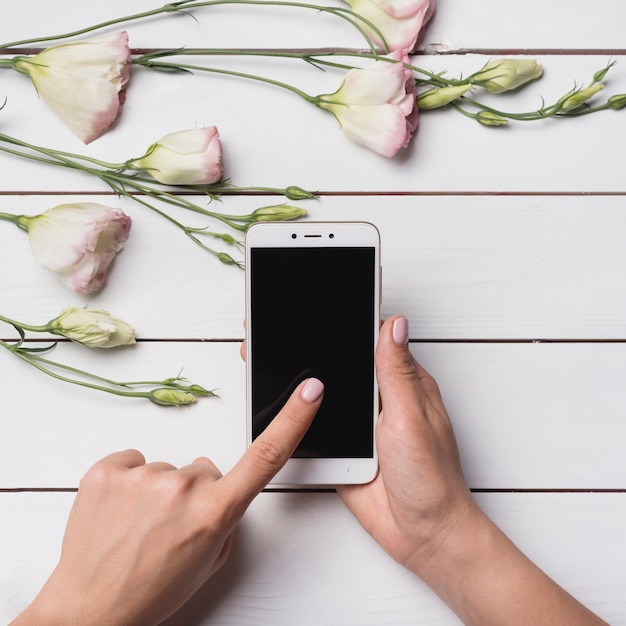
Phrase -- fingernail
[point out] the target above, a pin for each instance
(312, 390)
(400, 331)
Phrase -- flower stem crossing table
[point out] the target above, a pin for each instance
(503, 246)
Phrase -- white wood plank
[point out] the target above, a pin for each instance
(272, 138)
(459, 267)
(278, 570)
(524, 24)
(529, 416)
(509, 24)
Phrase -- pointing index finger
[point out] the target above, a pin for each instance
(272, 448)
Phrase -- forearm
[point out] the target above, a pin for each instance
(485, 580)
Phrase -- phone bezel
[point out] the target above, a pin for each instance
(308, 472)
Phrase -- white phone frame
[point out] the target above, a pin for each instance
(308, 472)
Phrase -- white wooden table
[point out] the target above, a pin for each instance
(505, 248)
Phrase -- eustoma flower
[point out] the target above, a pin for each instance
(400, 22)
(92, 328)
(376, 105)
(78, 241)
(83, 82)
(97, 329)
(188, 157)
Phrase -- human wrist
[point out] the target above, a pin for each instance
(455, 548)
(55, 605)
(38, 613)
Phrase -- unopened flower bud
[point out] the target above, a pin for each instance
(577, 98)
(440, 96)
(506, 74)
(599, 76)
(92, 328)
(617, 102)
(198, 390)
(278, 213)
(297, 193)
(171, 397)
(487, 118)
(224, 257)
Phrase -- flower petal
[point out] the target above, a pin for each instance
(79, 241)
(400, 31)
(382, 129)
(188, 157)
(82, 82)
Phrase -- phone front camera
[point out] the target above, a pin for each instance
(293, 235)
(332, 235)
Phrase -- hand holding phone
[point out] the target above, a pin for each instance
(312, 310)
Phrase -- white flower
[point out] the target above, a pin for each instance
(78, 241)
(188, 157)
(92, 328)
(83, 81)
(376, 106)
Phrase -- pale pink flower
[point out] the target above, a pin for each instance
(376, 106)
(399, 21)
(77, 241)
(83, 82)
(188, 157)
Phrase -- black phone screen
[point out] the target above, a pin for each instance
(313, 312)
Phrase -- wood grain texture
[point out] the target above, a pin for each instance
(527, 416)
(302, 558)
(460, 267)
(273, 138)
(504, 247)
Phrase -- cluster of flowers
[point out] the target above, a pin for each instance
(376, 106)
(98, 69)
(84, 82)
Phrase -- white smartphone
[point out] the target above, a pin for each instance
(312, 309)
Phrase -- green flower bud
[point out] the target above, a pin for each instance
(487, 118)
(171, 397)
(506, 74)
(197, 390)
(226, 238)
(92, 328)
(599, 76)
(297, 193)
(617, 102)
(577, 98)
(224, 257)
(278, 213)
(440, 96)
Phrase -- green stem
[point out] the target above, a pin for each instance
(114, 387)
(312, 56)
(99, 26)
(21, 221)
(186, 5)
(35, 329)
(123, 184)
(36, 362)
(147, 62)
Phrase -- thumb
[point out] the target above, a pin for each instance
(397, 371)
